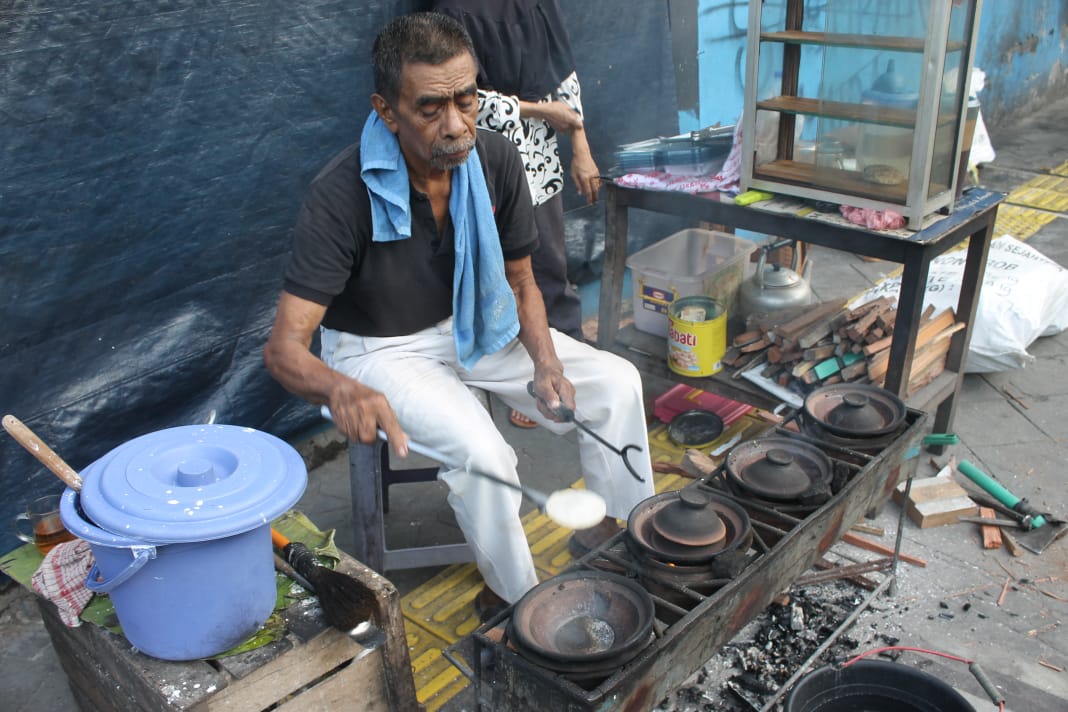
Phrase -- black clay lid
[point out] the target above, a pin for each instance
(855, 410)
(690, 520)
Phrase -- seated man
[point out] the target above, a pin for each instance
(412, 252)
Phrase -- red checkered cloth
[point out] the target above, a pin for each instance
(61, 579)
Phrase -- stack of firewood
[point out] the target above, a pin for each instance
(821, 344)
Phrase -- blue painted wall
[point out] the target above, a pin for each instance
(1022, 47)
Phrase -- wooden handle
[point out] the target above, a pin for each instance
(36, 447)
(278, 539)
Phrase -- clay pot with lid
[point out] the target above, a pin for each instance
(850, 410)
(779, 468)
(689, 526)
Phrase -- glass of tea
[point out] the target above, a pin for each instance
(42, 517)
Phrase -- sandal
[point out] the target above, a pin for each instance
(520, 420)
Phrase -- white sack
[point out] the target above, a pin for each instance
(1024, 296)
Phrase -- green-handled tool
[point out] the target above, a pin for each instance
(1002, 495)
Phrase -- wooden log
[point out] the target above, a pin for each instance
(756, 345)
(927, 332)
(858, 312)
(854, 371)
(748, 337)
(730, 356)
(860, 327)
(794, 328)
(802, 368)
(818, 353)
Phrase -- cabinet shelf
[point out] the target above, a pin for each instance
(834, 179)
(856, 113)
(830, 39)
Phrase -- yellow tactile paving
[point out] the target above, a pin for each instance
(1020, 222)
(436, 679)
(1061, 170)
(1045, 192)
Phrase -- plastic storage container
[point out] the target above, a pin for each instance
(689, 262)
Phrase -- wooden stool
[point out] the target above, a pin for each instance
(370, 476)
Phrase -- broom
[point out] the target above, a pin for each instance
(345, 602)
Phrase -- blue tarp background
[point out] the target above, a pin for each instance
(154, 157)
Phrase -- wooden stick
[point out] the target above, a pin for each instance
(878, 548)
(1004, 590)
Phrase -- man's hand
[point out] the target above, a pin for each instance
(553, 391)
(359, 412)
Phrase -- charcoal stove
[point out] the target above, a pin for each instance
(697, 612)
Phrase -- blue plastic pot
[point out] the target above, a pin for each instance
(179, 525)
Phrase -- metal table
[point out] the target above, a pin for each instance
(972, 218)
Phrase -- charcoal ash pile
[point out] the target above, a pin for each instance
(749, 670)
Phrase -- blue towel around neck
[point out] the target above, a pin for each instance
(484, 312)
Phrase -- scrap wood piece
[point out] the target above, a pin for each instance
(756, 345)
(928, 330)
(868, 529)
(991, 533)
(858, 312)
(1011, 544)
(859, 541)
(1051, 666)
(818, 353)
(935, 501)
(698, 464)
(748, 337)
(829, 571)
(812, 314)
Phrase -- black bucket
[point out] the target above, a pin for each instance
(874, 686)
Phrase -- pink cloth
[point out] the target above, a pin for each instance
(726, 180)
(873, 219)
(61, 579)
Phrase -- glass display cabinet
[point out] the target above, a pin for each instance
(858, 102)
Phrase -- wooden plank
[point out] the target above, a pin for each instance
(363, 681)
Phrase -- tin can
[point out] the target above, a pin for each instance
(697, 336)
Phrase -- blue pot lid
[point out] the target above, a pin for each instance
(193, 483)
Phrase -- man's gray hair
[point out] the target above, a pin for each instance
(421, 37)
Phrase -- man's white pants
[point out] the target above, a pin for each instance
(428, 390)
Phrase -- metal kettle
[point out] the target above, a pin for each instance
(775, 287)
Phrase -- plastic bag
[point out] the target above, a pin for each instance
(1024, 296)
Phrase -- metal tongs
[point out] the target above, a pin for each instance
(568, 415)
